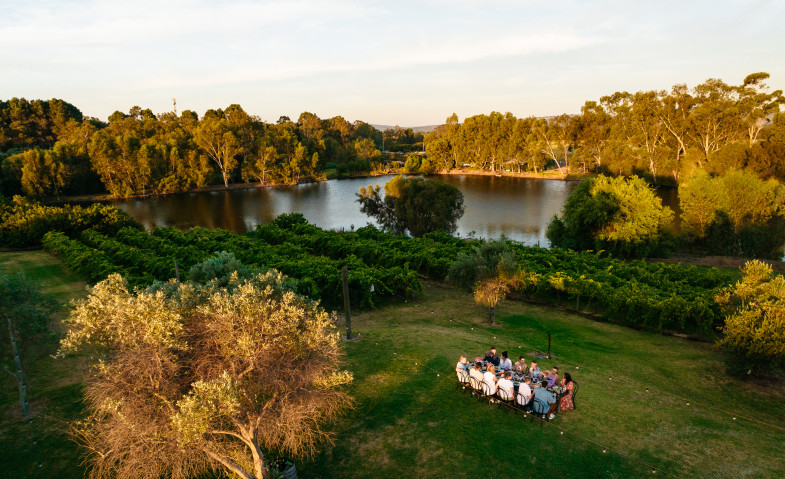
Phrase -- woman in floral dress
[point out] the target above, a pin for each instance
(566, 401)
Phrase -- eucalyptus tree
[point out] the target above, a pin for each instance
(216, 137)
(757, 104)
(674, 113)
(714, 119)
(114, 152)
(593, 131)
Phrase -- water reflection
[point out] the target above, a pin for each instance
(518, 208)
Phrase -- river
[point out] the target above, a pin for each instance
(519, 208)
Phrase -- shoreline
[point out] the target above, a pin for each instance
(551, 175)
(104, 198)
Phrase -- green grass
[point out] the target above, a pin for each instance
(54, 386)
(409, 422)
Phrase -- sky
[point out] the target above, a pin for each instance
(384, 62)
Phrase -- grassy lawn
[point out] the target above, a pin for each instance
(409, 422)
(54, 390)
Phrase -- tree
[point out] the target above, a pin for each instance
(755, 316)
(698, 203)
(747, 199)
(756, 104)
(216, 137)
(190, 379)
(622, 215)
(593, 131)
(259, 167)
(489, 270)
(489, 292)
(24, 311)
(416, 205)
(45, 172)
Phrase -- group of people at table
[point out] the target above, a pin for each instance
(540, 389)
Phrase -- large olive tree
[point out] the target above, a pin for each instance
(189, 378)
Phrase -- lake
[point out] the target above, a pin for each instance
(519, 208)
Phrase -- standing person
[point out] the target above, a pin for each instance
(492, 357)
(524, 392)
(565, 402)
(505, 364)
(507, 385)
(490, 379)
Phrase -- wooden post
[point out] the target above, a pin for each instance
(176, 270)
(346, 306)
(549, 345)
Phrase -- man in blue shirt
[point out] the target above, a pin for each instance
(544, 402)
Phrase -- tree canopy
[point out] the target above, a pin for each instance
(191, 378)
(736, 213)
(660, 134)
(413, 204)
(622, 215)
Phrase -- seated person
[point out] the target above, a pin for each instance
(492, 357)
(476, 372)
(490, 379)
(505, 364)
(524, 392)
(565, 401)
(462, 369)
(506, 384)
(534, 371)
(551, 378)
(520, 366)
(463, 365)
(543, 397)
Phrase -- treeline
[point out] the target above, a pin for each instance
(48, 148)
(661, 135)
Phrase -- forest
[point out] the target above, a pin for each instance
(662, 136)
(49, 148)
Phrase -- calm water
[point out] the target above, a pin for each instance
(519, 208)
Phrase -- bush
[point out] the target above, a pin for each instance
(755, 317)
(24, 223)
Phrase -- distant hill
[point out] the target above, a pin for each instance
(416, 129)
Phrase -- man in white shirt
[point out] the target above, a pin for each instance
(505, 364)
(506, 384)
(524, 392)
